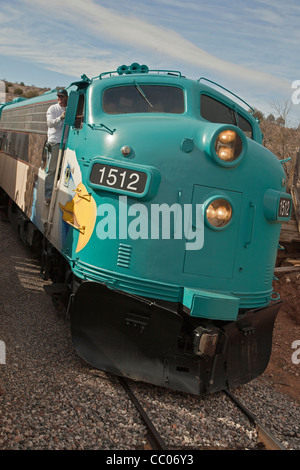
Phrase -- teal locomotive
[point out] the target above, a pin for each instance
(163, 226)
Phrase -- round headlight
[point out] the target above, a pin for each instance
(228, 145)
(219, 213)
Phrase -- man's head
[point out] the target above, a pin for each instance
(62, 98)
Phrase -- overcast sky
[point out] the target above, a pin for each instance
(251, 47)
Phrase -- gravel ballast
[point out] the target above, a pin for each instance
(51, 400)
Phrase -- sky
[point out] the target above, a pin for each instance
(251, 48)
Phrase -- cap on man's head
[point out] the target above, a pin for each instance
(62, 93)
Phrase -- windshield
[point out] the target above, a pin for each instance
(139, 98)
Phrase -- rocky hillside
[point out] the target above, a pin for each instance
(15, 90)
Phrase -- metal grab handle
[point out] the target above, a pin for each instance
(252, 224)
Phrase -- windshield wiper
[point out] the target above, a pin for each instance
(142, 93)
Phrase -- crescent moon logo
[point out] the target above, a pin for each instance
(81, 214)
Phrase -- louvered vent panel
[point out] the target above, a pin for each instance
(124, 255)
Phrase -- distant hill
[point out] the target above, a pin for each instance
(14, 90)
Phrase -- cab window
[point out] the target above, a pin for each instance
(214, 111)
(139, 98)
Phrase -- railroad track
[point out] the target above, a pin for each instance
(266, 440)
(153, 437)
(264, 435)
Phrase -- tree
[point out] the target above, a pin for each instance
(18, 91)
(283, 132)
(258, 115)
(31, 94)
(270, 118)
(282, 140)
(283, 110)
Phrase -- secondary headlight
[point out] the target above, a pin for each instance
(219, 213)
(228, 145)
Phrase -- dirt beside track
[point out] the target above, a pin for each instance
(281, 371)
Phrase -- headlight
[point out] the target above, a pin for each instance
(219, 213)
(228, 145)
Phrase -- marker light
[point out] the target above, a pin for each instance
(228, 145)
(126, 150)
(219, 213)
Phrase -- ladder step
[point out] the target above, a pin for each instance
(54, 289)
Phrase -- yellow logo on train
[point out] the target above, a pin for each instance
(81, 213)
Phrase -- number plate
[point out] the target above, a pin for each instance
(119, 179)
(284, 207)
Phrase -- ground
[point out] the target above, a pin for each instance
(282, 371)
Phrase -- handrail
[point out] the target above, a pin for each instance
(223, 88)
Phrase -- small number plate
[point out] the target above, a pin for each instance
(120, 179)
(284, 207)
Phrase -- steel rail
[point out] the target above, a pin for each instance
(265, 436)
(153, 437)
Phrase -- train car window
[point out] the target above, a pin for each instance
(26, 118)
(214, 111)
(15, 144)
(139, 98)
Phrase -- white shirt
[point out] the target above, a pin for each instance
(55, 124)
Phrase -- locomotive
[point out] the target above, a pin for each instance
(163, 227)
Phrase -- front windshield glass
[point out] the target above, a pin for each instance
(139, 98)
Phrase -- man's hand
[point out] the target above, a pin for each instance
(62, 117)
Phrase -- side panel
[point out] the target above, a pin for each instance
(20, 178)
(13, 177)
(217, 256)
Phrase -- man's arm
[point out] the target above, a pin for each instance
(53, 121)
